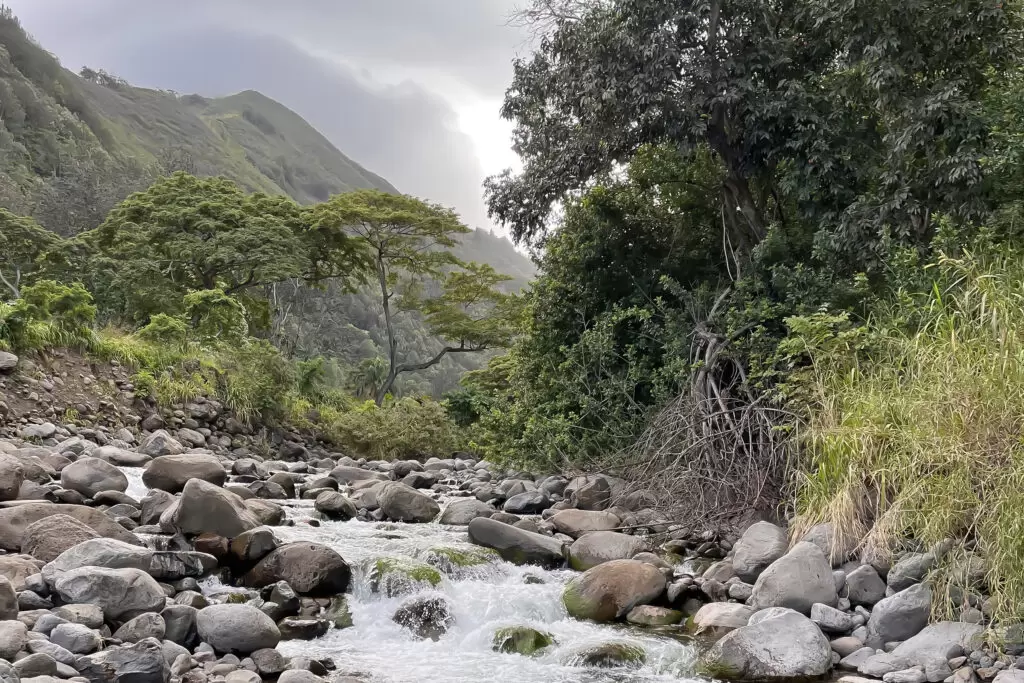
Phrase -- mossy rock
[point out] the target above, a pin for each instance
(391, 576)
(238, 598)
(456, 561)
(521, 640)
(610, 655)
(338, 612)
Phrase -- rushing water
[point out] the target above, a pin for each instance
(486, 598)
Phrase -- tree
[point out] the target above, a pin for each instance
(187, 234)
(408, 242)
(22, 240)
(856, 119)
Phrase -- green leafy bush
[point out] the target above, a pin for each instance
(405, 428)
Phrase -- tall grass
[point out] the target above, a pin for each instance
(919, 438)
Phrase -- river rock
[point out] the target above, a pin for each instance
(760, 545)
(8, 600)
(89, 476)
(575, 523)
(464, 510)
(784, 646)
(8, 362)
(120, 593)
(650, 615)
(171, 472)
(427, 617)
(14, 521)
(236, 629)
(592, 492)
(37, 668)
(160, 443)
(12, 475)
(174, 565)
(309, 568)
(76, 638)
(596, 547)
(616, 655)
(796, 580)
(910, 569)
(718, 618)
(149, 625)
(154, 504)
(942, 640)
(836, 547)
(521, 640)
(87, 615)
(403, 503)
(335, 506)
(13, 636)
(17, 569)
(344, 474)
(610, 590)
(141, 662)
(864, 586)
(899, 616)
(49, 537)
(121, 457)
(527, 503)
(206, 507)
(517, 546)
(98, 552)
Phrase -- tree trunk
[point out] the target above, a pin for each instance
(385, 297)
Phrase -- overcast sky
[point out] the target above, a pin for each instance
(408, 88)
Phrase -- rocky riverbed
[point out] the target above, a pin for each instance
(187, 549)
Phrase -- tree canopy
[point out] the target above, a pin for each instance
(22, 240)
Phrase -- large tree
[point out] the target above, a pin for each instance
(859, 119)
(409, 243)
(22, 240)
(186, 234)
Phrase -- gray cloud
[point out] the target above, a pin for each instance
(406, 133)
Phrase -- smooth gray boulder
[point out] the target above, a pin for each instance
(171, 472)
(98, 552)
(941, 640)
(864, 586)
(13, 637)
(14, 521)
(527, 503)
(309, 568)
(8, 362)
(796, 580)
(8, 600)
(611, 589)
(402, 503)
(148, 625)
(236, 629)
(760, 545)
(76, 638)
(464, 510)
(207, 508)
(121, 457)
(160, 443)
(899, 616)
(515, 545)
(575, 523)
(596, 547)
(89, 476)
(836, 546)
(141, 662)
(344, 474)
(831, 620)
(910, 569)
(120, 593)
(12, 475)
(785, 646)
(721, 617)
(334, 505)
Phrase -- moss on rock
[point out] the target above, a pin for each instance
(521, 640)
(455, 561)
(391, 576)
(338, 612)
(609, 655)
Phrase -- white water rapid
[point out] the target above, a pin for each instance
(486, 598)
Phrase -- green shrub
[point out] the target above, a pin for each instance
(405, 428)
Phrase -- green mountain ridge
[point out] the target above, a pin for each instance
(74, 145)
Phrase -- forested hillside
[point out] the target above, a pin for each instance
(73, 146)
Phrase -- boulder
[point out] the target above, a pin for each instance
(837, 547)
(14, 521)
(942, 640)
(910, 569)
(650, 615)
(464, 510)
(171, 472)
(8, 362)
(207, 508)
(154, 504)
(831, 620)
(517, 546)
(589, 493)
(148, 625)
(527, 503)
(141, 662)
(13, 636)
(236, 629)
(309, 568)
(8, 600)
(616, 655)
(899, 616)
(796, 580)
(98, 552)
(596, 547)
(121, 457)
(864, 586)
(252, 546)
(335, 506)
(718, 618)
(17, 568)
(160, 443)
(784, 646)
(120, 593)
(89, 476)
(610, 590)
(575, 523)
(174, 565)
(12, 475)
(520, 640)
(265, 512)
(77, 639)
(427, 617)
(180, 624)
(760, 545)
(344, 474)
(51, 536)
(403, 503)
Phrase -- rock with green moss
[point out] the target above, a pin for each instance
(649, 615)
(456, 562)
(609, 655)
(338, 612)
(238, 598)
(392, 576)
(521, 640)
(610, 590)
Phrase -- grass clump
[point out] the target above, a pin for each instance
(915, 428)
